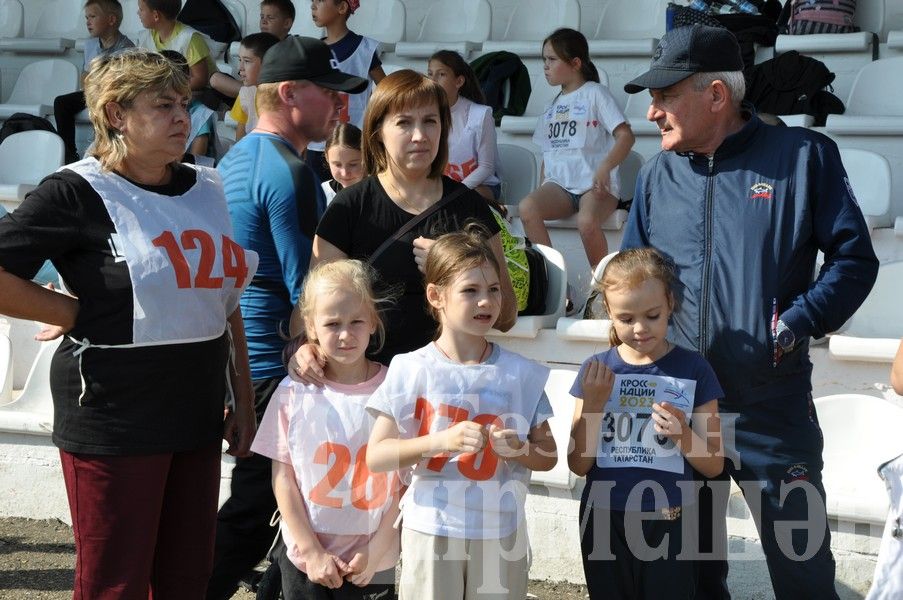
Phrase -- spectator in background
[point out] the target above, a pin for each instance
(276, 19)
(102, 19)
(353, 54)
(473, 154)
(250, 57)
(275, 202)
(164, 32)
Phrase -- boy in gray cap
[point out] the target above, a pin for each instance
(742, 208)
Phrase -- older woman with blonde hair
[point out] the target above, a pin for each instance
(153, 336)
(392, 217)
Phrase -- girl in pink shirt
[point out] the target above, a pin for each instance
(337, 517)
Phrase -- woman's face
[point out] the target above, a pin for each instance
(411, 138)
(155, 126)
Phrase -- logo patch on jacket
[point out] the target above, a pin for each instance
(846, 180)
(764, 191)
(797, 472)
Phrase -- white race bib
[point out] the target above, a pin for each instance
(331, 431)
(565, 126)
(628, 437)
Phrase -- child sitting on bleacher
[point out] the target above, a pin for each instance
(354, 54)
(250, 57)
(102, 19)
(472, 149)
(164, 32)
(584, 136)
(276, 18)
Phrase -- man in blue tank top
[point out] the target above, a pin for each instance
(275, 201)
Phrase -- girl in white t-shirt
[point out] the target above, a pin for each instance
(471, 418)
(472, 150)
(584, 136)
(343, 157)
(337, 517)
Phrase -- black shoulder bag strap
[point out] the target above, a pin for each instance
(417, 220)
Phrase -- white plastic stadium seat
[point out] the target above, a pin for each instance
(874, 119)
(304, 25)
(869, 175)
(12, 19)
(873, 89)
(131, 24)
(38, 84)
(620, 33)
(58, 25)
(648, 136)
(541, 96)
(861, 433)
(873, 333)
(382, 20)
(519, 173)
(35, 400)
(563, 404)
(529, 326)
(530, 22)
(461, 26)
(578, 329)
(25, 159)
(6, 369)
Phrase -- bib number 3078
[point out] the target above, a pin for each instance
(560, 129)
(233, 259)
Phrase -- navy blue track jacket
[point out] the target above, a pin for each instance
(743, 228)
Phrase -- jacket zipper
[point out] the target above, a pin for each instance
(707, 264)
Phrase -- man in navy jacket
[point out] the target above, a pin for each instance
(742, 208)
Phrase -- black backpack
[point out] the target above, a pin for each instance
(791, 84)
(211, 18)
(492, 71)
(18, 122)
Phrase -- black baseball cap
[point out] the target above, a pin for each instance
(304, 58)
(687, 50)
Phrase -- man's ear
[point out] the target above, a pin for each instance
(720, 94)
(286, 91)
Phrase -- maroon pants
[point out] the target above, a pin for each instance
(143, 525)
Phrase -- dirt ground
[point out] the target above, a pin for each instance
(37, 558)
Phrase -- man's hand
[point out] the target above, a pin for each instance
(238, 431)
(306, 365)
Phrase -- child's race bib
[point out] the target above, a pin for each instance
(628, 437)
(565, 126)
